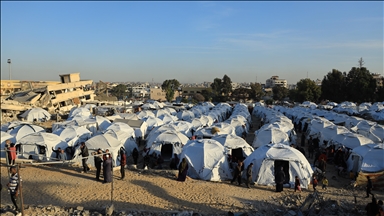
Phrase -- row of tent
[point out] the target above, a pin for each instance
(364, 139)
(374, 111)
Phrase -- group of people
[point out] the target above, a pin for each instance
(237, 173)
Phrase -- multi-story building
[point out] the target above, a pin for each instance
(275, 81)
(158, 94)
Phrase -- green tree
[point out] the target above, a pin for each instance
(170, 86)
(307, 90)
(333, 86)
(207, 94)
(279, 93)
(120, 91)
(380, 92)
(226, 87)
(360, 85)
(216, 88)
(197, 97)
(256, 92)
(241, 94)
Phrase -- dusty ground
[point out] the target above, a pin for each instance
(159, 191)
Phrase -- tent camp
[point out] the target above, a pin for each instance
(36, 114)
(350, 140)
(207, 160)
(367, 158)
(38, 146)
(268, 158)
(235, 145)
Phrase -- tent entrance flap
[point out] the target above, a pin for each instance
(285, 165)
(237, 153)
(166, 152)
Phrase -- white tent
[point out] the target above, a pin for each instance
(79, 112)
(4, 137)
(270, 135)
(73, 135)
(145, 114)
(232, 143)
(36, 114)
(102, 123)
(207, 160)
(367, 158)
(185, 115)
(376, 133)
(350, 140)
(153, 122)
(168, 118)
(175, 139)
(268, 158)
(25, 129)
(105, 141)
(38, 146)
(328, 132)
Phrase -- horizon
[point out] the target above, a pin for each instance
(193, 42)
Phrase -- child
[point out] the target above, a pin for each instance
(325, 183)
(297, 184)
(314, 183)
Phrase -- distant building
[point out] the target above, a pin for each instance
(158, 94)
(318, 82)
(275, 81)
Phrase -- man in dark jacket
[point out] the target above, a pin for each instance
(249, 175)
(135, 155)
(279, 179)
(98, 161)
(369, 187)
(84, 153)
(123, 162)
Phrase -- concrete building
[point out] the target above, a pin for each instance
(379, 79)
(275, 81)
(158, 94)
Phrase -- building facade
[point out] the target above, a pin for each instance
(275, 81)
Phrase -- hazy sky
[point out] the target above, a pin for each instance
(189, 41)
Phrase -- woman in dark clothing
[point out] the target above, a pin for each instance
(183, 169)
(135, 155)
(107, 168)
(123, 162)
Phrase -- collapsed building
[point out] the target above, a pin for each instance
(55, 97)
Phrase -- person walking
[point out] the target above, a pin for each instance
(123, 162)
(107, 168)
(135, 155)
(98, 161)
(249, 175)
(325, 183)
(183, 170)
(314, 183)
(369, 187)
(237, 173)
(279, 179)
(84, 153)
(14, 188)
(12, 154)
(297, 184)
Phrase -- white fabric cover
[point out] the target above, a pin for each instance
(73, 135)
(31, 143)
(263, 160)
(37, 114)
(207, 160)
(367, 158)
(23, 130)
(177, 139)
(270, 135)
(105, 141)
(230, 141)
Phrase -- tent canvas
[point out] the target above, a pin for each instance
(207, 160)
(264, 159)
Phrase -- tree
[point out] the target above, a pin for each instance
(120, 91)
(307, 90)
(256, 91)
(226, 86)
(216, 86)
(170, 86)
(360, 85)
(279, 92)
(333, 86)
(198, 97)
(207, 94)
(241, 94)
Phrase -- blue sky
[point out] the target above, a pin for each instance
(189, 41)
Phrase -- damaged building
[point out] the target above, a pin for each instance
(55, 97)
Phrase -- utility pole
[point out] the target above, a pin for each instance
(9, 63)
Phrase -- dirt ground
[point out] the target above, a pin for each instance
(157, 190)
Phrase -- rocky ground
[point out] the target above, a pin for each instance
(63, 190)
